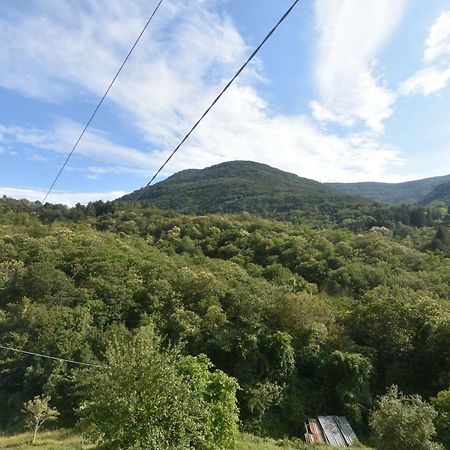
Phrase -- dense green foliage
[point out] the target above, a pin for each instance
(150, 398)
(403, 422)
(244, 186)
(308, 321)
(419, 191)
(441, 404)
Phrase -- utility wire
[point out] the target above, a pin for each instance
(101, 100)
(218, 97)
(51, 357)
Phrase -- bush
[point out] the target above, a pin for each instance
(402, 422)
(148, 397)
(442, 405)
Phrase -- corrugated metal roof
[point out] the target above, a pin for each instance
(346, 429)
(331, 431)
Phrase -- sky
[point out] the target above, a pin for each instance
(345, 90)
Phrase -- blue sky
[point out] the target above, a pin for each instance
(346, 90)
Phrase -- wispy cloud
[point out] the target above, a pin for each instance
(70, 50)
(96, 146)
(438, 41)
(351, 34)
(293, 143)
(436, 74)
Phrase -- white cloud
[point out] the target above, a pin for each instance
(71, 50)
(426, 81)
(351, 34)
(292, 143)
(96, 146)
(38, 157)
(92, 177)
(438, 41)
(65, 198)
(436, 74)
(165, 84)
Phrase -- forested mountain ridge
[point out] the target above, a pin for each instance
(245, 186)
(439, 193)
(409, 192)
(308, 321)
(238, 186)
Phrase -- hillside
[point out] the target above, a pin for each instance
(410, 192)
(308, 321)
(238, 186)
(441, 193)
(245, 186)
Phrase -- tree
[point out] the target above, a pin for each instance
(390, 321)
(280, 355)
(260, 399)
(350, 373)
(418, 217)
(150, 397)
(38, 411)
(441, 240)
(442, 405)
(403, 422)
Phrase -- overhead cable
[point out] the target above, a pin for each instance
(101, 101)
(40, 355)
(218, 97)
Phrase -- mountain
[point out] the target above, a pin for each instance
(440, 192)
(238, 186)
(410, 192)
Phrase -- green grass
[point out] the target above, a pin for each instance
(250, 442)
(46, 440)
(69, 440)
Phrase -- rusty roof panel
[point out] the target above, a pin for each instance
(316, 431)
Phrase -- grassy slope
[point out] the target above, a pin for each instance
(46, 440)
(67, 440)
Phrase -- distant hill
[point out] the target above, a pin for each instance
(440, 192)
(245, 186)
(239, 186)
(410, 192)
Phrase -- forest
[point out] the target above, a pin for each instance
(307, 320)
(238, 186)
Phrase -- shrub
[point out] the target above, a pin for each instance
(148, 397)
(403, 422)
(442, 405)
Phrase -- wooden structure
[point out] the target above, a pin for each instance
(332, 430)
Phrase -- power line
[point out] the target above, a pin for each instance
(101, 100)
(51, 357)
(218, 97)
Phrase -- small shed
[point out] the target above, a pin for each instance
(332, 430)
